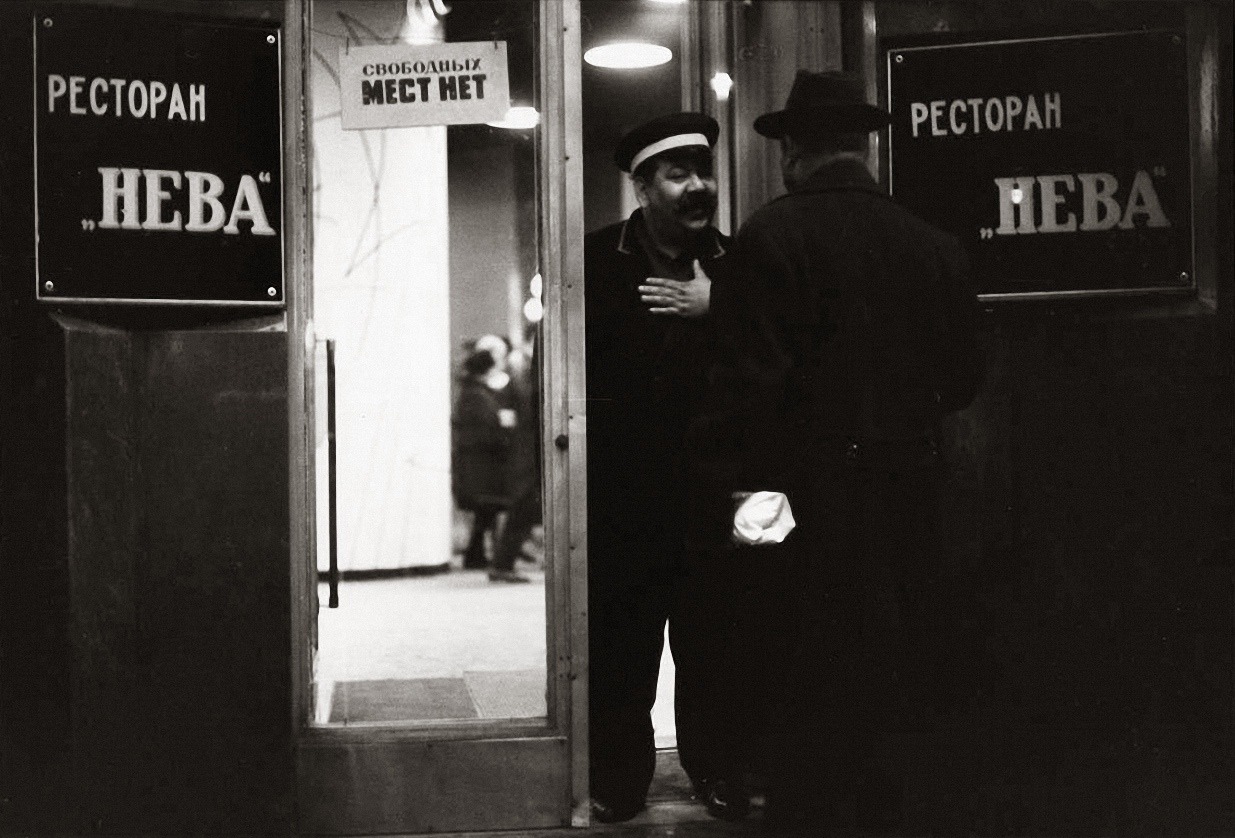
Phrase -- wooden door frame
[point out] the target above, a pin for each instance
(469, 775)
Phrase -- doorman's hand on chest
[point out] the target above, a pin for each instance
(681, 298)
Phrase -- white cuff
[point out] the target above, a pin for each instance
(763, 518)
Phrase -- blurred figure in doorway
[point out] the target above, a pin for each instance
(524, 512)
(485, 428)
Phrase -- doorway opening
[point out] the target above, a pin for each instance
(427, 309)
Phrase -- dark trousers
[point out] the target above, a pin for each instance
(524, 513)
(717, 638)
(631, 592)
(705, 598)
(484, 521)
(854, 604)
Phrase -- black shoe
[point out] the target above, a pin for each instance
(725, 799)
(615, 813)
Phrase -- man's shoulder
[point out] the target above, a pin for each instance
(920, 228)
(824, 207)
(604, 261)
(605, 237)
(774, 214)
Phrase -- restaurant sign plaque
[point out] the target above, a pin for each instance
(157, 159)
(1062, 163)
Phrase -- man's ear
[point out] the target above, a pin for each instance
(641, 190)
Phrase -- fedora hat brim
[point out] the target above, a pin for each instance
(837, 118)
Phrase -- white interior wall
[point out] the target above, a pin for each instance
(381, 290)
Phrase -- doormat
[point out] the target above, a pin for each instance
(511, 694)
(394, 700)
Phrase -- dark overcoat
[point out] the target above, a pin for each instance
(481, 447)
(871, 310)
(870, 326)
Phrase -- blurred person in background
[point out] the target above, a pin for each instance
(524, 512)
(485, 428)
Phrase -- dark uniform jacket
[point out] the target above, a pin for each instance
(646, 375)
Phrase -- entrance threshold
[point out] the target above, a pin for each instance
(671, 813)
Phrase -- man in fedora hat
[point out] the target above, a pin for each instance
(648, 339)
(868, 323)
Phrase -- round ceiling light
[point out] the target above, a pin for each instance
(518, 117)
(627, 55)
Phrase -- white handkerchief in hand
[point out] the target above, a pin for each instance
(763, 518)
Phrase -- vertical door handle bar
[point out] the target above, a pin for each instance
(330, 494)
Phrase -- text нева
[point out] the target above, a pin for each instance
(1043, 203)
(129, 206)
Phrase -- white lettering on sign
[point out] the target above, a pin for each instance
(1042, 204)
(123, 208)
(138, 98)
(992, 115)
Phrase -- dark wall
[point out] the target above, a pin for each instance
(145, 637)
(35, 658)
(1090, 516)
(1090, 519)
(178, 575)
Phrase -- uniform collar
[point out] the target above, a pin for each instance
(710, 246)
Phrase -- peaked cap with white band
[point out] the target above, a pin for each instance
(663, 133)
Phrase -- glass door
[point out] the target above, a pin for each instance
(443, 353)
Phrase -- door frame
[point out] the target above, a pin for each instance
(490, 775)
